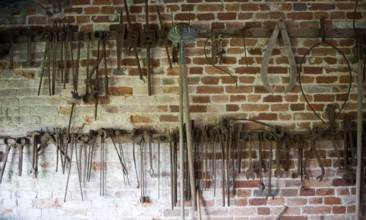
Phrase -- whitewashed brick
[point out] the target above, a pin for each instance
(28, 213)
(25, 194)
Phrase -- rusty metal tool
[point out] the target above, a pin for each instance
(143, 197)
(315, 134)
(349, 175)
(163, 34)
(224, 170)
(118, 134)
(103, 135)
(92, 141)
(96, 85)
(278, 135)
(279, 27)
(54, 59)
(134, 158)
(9, 142)
(151, 171)
(269, 137)
(105, 36)
(120, 30)
(214, 136)
(72, 143)
(35, 140)
(147, 39)
(205, 145)
(21, 142)
(250, 174)
(48, 36)
(132, 38)
(260, 158)
(120, 156)
(81, 139)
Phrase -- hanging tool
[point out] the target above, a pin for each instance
(182, 33)
(54, 58)
(261, 164)
(279, 27)
(9, 142)
(103, 135)
(315, 134)
(143, 197)
(214, 58)
(348, 144)
(151, 171)
(222, 141)
(20, 143)
(134, 157)
(46, 60)
(250, 174)
(105, 36)
(72, 143)
(147, 40)
(81, 139)
(92, 141)
(112, 135)
(269, 137)
(96, 83)
(163, 37)
(120, 30)
(328, 44)
(132, 38)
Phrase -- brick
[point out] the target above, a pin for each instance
(91, 10)
(210, 80)
(242, 211)
(232, 108)
(239, 89)
(273, 98)
(300, 15)
(290, 192)
(307, 192)
(244, 193)
(279, 107)
(257, 201)
(206, 17)
(254, 107)
(81, 2)
(140, 119)
(300, 7)
(101, 2)
(338, 209)
(47, 203)
(332, 201)
(266, 116)
(120, 91)
(297, 107)
(316, 210)
(247, 70)
(321, 6)
(198, 108)
(246, 184)
(263, 211)
(209, 89)
(210, 7)
(324, 192)
(237, 98)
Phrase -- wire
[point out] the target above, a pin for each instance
(213, 64)
(349, 83)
